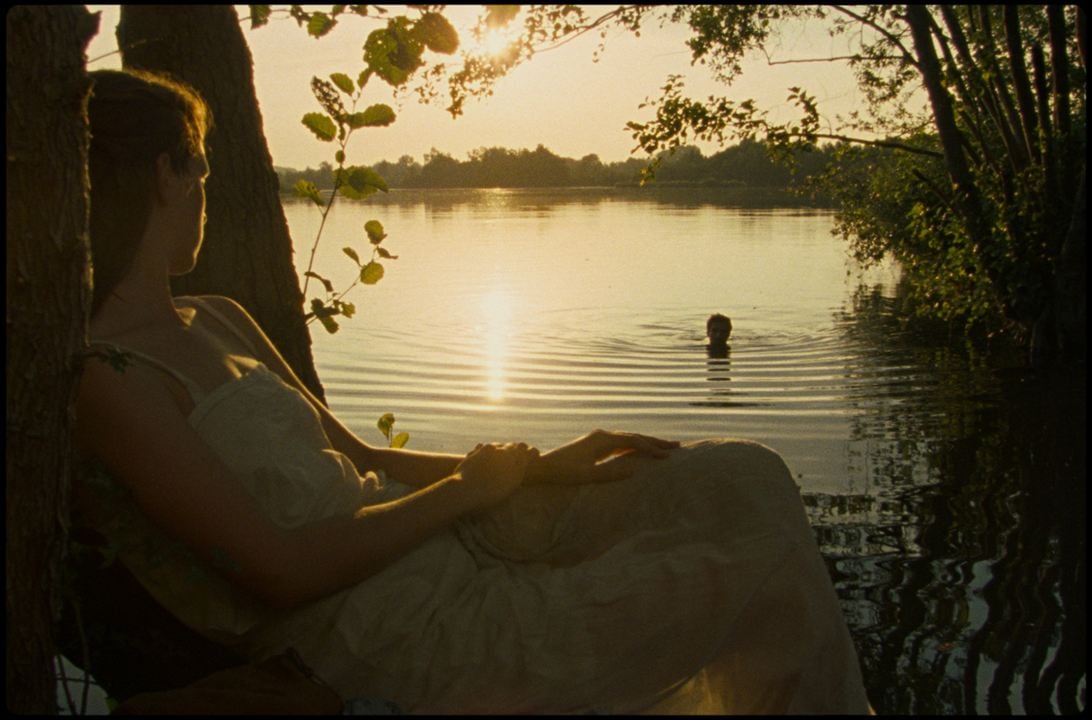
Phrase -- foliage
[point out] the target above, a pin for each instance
(747, 164)
(352, 181)
(386, 426)
(391, 53)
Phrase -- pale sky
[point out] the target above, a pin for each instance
(560, 99)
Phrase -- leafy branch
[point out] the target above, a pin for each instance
(392, 53)
(354, 182)
(386, 426)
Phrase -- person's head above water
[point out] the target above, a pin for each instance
(717, 328)
(144, 128)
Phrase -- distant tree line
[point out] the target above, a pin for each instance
(746, 164)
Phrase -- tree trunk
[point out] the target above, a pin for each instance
(966, 191)
(917, 18)
(1070, 278)
(247, 253)
(1022, 85)
(48, 299)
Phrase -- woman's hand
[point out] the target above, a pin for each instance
(494, 471)
(599, 456)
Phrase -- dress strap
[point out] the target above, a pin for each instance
(195, 391)
(207, 307)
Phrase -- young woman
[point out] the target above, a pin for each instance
(616, 573)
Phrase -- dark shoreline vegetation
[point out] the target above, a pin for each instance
(961, 570)
(746, 166)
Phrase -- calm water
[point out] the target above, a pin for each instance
(947, 494)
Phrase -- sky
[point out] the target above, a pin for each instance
(560, 99)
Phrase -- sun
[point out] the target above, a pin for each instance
(496, 41)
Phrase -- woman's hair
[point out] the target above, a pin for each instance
(134, 117)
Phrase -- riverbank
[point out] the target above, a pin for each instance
(680, 192)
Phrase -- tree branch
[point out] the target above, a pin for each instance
(957, 74)
(1019, 70)
(994, 69)
(891, 37)
(985, 93)
(1059, 68)
(602, 19)
(830, 59)
(875, 143)
(1038, 65)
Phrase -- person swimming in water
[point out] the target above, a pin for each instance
(717, 328)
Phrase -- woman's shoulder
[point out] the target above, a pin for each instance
(231, 312)
(222, 306)
(218, 302)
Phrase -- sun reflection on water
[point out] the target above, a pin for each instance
(496, 308)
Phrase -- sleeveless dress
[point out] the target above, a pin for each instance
(694, 586)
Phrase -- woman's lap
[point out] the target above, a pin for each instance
(595, 597)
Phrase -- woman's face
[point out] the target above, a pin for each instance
(190, 218)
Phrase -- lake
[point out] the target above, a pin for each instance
(946, 490)
(522, 314)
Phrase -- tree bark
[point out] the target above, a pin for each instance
(247, 253)
(917, 18)
(48, 300)
(951, 140)
(1024, 96)
(981, 89)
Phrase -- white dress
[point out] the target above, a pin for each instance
(693, 586)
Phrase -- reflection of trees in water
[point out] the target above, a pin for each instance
(962, 570)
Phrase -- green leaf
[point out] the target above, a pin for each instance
(321, 125)
(385, 423)
(384, 254)
(347, 309)
(375, 116)
(400, 440)
(371, 273)
(343, 82)
(329, 323)
(394, 52)
(436, 33)
(307, 189)
(328, 98)
(351, 253)
(374, 229)
(320, 310)
(259, 15)
(339, 157)
(320, 24)
(362, 78)
(360, 182)
(378, 115)
(326, 283)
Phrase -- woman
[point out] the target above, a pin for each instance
(616, 573)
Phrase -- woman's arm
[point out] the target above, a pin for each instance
(131, 423)
(599, 456)
(419, 469)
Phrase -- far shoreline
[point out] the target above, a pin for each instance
(695, 191)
